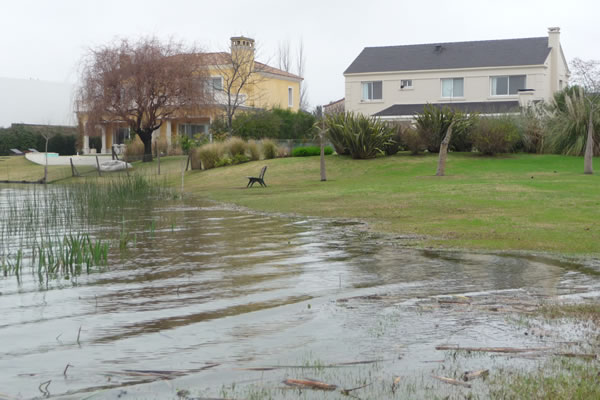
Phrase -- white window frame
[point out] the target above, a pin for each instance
(362, 91)
(212, 85)
(452, 96)
(290, 96)
(508, 94)
(406, 84)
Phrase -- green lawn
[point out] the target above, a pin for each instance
(515, 202)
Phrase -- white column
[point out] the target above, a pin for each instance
(169, 135)
(103, 150)
(86, 144)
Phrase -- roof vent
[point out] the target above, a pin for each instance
(439, 48)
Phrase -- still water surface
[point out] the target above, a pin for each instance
(206, 284)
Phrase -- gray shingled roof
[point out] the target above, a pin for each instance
(486, 53)
(482, 107)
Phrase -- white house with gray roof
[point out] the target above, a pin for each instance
(490, 76)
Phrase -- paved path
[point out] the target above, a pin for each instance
(40, 158)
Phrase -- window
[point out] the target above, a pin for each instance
(507, 85)
(190, 130)
(216, 83)
(290, 97)
(122, 134)
(406, 84)
(372, 90)
(453, 87)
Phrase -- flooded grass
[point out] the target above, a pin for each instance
(51, 231)
(193, 299)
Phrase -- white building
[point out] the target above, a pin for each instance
(491, 76)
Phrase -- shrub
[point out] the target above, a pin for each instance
(492, 135)
(209, 154)
(432, 125)
(134, 149)
(257, 125)
(568, 123)
(239, 159)
(413, 141)
(253, 150)
(236, 146)
(532, 130)
(361, 136)
(223, 162)
(294, 125)
(308, 151)
(269, 149)
(395, 143)
(334, 124)
(162, 146)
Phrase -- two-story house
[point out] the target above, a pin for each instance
(265, 87)
(489, 77)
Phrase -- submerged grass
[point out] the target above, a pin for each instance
(54, 231)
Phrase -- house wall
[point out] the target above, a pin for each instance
(274, 93)
(427, 87)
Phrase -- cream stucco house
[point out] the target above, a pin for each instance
(492, 76)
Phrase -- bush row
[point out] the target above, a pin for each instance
(276, 124)
(309, 151)
(234, 151)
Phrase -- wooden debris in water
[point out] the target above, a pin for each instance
(346, 392)
(309, 384)
(451, 381)
(494, 349)
(469, 375)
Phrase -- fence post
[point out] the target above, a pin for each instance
(98, 164)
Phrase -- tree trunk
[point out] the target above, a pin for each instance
(323, 177)
(146, 138)
(444, 152)
(589, 145)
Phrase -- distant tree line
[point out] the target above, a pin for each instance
(22, 137)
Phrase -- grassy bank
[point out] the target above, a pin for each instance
(514, 202)
(517, 202)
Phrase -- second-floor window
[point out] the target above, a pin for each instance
(372, 91)
(216, 82)
(453, 87)
(406, 84)
(506, 85)
(290, 97)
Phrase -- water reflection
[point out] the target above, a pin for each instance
(207, 283)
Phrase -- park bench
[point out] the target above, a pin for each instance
(260, 178)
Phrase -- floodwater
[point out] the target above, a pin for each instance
(206, 292)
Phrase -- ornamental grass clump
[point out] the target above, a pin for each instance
(210, 154)
(253, 150)
(269, 149)
(569, 120)
(236, 146)
(359, 136)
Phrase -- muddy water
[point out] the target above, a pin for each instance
(205, 291)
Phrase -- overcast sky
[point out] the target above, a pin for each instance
(46, 39)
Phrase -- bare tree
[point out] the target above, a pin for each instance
(241, 77)
(587, 75)
(142, 84)
(300, 70)
(284, 59)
